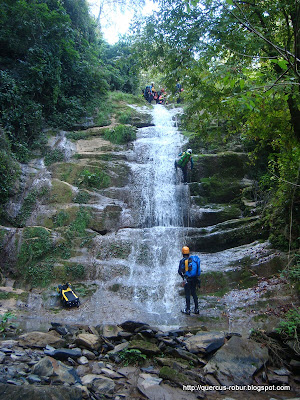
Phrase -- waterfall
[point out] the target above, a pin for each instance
(161, 205)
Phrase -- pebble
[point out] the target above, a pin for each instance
(82, 360)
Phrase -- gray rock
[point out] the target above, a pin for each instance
(98, 383)
(82, 360)
(186, 355)
(40, 340)
(2, 357)
(237, 361)
(8, 344)
(111, 374)
(33, 378)
(88, 340)
(124, 335)
(282, 371)
(111, 331)
(153, 390)
(131, 326)
(62, 354)
(119, 347)
(274, 379)
(204, 342)
(88, 354)
(145, 347)
(83, 370)
(12, 392)
(56, 370)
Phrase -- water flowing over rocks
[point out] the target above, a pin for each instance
(135, 226)
(120, 243)
(169, 363)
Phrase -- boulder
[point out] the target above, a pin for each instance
(237, 361)
(178, 378)
(111, 374)
(99, 384)
(88, 340)
(172, 363)
(185, 355)
(131, 326)
(62, 354)
(88, 354)
(119, 347)
(13, 392)
(154, 391)
(8, 344)
(204, 342)
(40, 340)
(145, 347)
(56, 371)
(111, 331)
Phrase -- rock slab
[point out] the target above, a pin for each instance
(237, 361)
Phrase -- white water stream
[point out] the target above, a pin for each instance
(161, 202)
(135, 268)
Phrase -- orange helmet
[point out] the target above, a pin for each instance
(185, 250)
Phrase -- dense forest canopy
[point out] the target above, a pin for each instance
(238, 62)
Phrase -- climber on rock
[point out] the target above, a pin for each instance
(185, 158)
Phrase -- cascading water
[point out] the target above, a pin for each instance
(161, 205)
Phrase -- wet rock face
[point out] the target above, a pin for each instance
(163, 363)
(115, 216)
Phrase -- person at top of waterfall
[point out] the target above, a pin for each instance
(185, 158)
(189, 270)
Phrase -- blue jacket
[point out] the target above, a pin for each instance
(192, 272)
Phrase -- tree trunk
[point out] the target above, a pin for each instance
(295, 115)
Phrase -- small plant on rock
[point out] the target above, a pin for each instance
(290, 327)
(132, 356)
(4, 320)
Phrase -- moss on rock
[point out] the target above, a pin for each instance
(60, 192)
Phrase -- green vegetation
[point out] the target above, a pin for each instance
(220, 283)
(115, 287)
(54, 156)
(241, 89)
(120, 134)
(61, 219)
(85, 290)
(132, 356)
(96, 179)
(55, 70)
(82, 197)
(9, 169)
(292, 272)
(291, 325)
(60, 192)
(4, 321)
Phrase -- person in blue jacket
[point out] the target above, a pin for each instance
(189, 270)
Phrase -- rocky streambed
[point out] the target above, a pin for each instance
(134, 360)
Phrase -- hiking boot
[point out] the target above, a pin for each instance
(196, 311)
(186, 311)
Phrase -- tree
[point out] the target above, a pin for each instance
(239, 63)
(106, 8)
(50, 65)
